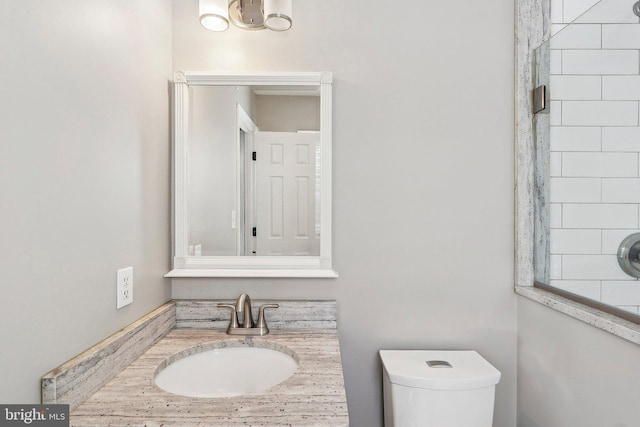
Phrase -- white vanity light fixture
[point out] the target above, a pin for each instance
(246, 14)
(214, 14)
(277, 14)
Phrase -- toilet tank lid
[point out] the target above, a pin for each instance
(409, 368)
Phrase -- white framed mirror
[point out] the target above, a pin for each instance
(252, 157)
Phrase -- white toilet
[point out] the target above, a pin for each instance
(437, 388)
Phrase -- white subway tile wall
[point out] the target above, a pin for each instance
(620, 36)
(586, 288)
(595, 147)
(556, 62)
(620, 88)
(600, 216)
(611, 239)
(555, 164)
(621, 190)
(556, 11)
(576, 190)
(606, 12)
(578, 36)
(555, 214)
(576, 242)
(568, 138)
(572, 9)
(600, 113)
(592, 267)
(591, 164)
(577, 88)
(599, 62)
(618, 139)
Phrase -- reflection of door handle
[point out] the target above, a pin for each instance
(629, 255)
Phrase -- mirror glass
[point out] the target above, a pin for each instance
(254, 168)
(252, 175)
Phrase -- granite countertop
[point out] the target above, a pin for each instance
(313, 396)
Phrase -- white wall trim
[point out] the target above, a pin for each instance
(205, 78)
(180, 188)
(254, 272)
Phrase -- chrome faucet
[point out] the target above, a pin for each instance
(243, 305)
(248, 326)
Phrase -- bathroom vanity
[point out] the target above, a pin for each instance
(249, 230)
(313, 395)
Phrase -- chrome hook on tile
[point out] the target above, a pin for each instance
(629, 255)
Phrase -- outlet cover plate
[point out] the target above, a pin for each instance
(124, 287)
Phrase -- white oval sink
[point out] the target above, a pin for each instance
(224, 372)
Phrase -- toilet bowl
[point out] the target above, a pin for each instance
(424, 388)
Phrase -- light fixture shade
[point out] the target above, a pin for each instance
(277, 14)
(214, 14)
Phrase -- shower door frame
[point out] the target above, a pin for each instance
(533, 27)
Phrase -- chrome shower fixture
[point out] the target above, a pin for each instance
(636, 8)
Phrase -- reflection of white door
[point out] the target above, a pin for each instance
(286, 193)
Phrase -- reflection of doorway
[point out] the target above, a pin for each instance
(244, 217)
(286, 193)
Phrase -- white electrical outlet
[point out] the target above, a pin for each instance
(124, 287)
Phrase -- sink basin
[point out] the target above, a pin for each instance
(224, 372)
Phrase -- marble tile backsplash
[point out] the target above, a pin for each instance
(291, 314)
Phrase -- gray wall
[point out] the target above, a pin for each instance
(84, 176)
(212, 165)
(572, 374)
(287, 113)
(423, 184)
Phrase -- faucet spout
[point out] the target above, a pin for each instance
(243, 305)
(248, 326)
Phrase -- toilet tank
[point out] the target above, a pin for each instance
(424, 388)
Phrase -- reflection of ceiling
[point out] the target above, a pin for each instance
(289, 90)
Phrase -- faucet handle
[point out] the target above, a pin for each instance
(262, 322)
(233, 322)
